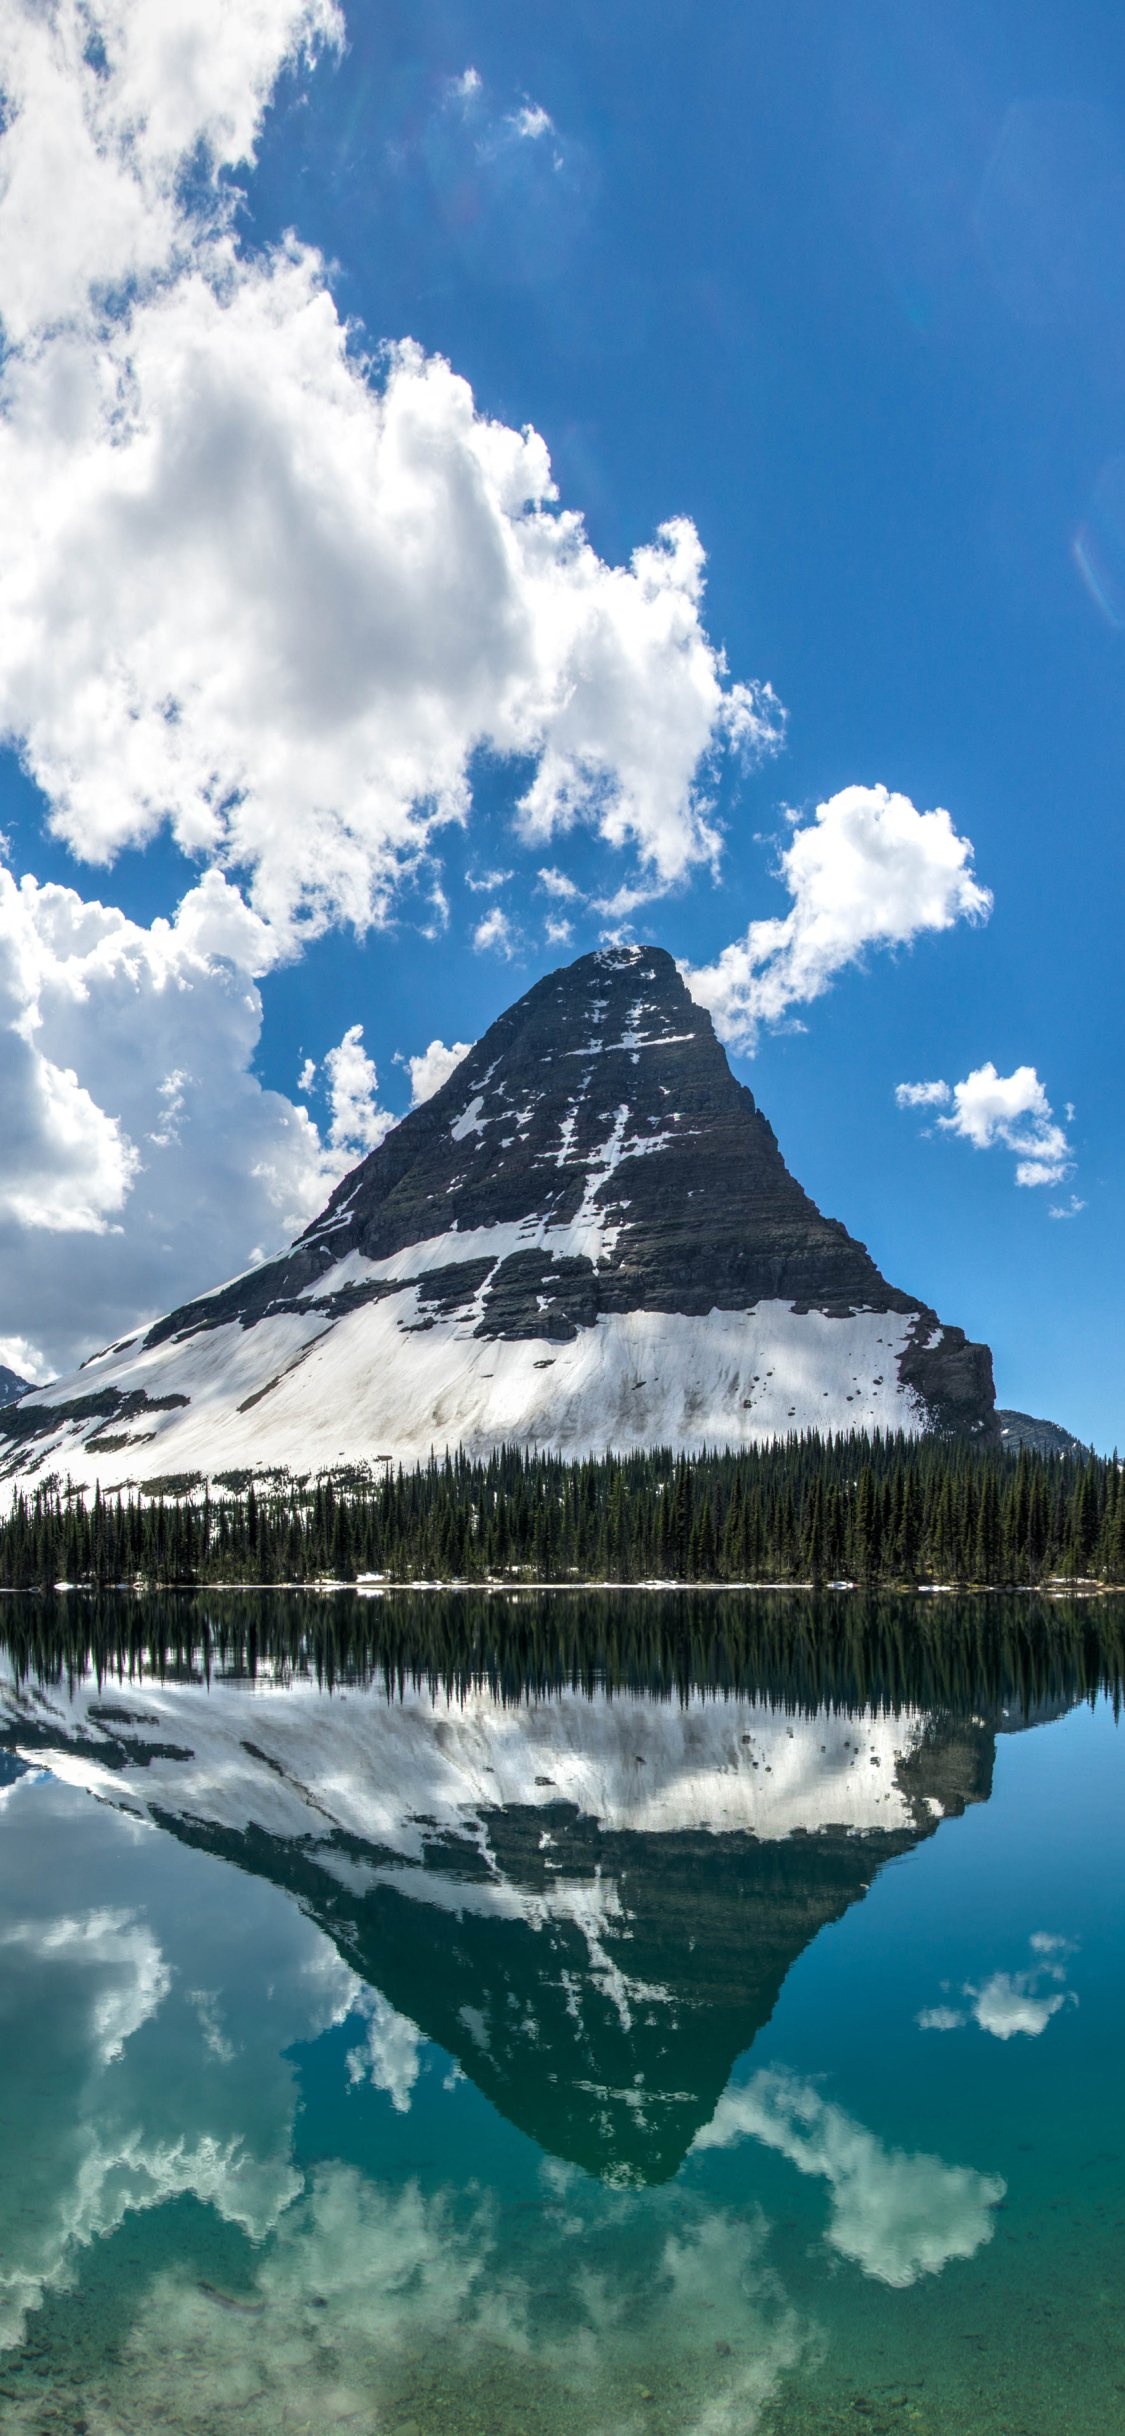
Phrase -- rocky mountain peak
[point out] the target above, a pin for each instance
(588, 1238)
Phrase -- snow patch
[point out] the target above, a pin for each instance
(471, 1121)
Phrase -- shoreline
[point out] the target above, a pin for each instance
(375, 1586)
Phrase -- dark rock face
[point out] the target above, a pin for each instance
(601, 1102)
(11, 1385)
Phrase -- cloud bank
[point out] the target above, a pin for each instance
(268, 592)
(266, 589)
(133, 1117)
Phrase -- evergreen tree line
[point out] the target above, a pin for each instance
(964, 1655)
(886, 1509)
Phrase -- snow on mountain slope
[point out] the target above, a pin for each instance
(399, 1774)
(587, 1240)
(298, 1397)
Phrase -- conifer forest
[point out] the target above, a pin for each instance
(883, 1510)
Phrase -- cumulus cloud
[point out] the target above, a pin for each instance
(1011, 1110)
(117, 1959)
(393, 581)
(531, 121)
(869, 870)
(433, 1067)
(18, 1353)
(68, 1165)
(1007, 2006)
(495, 931)
(922, 1095)
(1012, 2004)
(358, 1124)
(557, 932)
(123, 2091)
(463, 88)
(898, 2216)
(485, 883)
(133, 1118)
(940, 2017)
(104, 102)
(273, 595)
(390, 2056)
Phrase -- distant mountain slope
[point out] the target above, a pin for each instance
(11, 1385)
(1039, 1437)
(588, 1239)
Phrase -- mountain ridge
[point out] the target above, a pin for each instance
(591, 1193)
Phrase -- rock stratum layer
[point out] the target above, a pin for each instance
(586, 1240)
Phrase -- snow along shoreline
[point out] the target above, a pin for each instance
(379, 1586)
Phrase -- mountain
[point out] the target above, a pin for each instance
(1039, 1437)
(587, 1239)
(11, 1385)
(580, 1899)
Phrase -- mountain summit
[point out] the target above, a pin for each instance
(587, 1239)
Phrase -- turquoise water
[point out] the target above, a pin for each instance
(469, 2065)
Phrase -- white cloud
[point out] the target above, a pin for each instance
(433, 1067)
(18, 1353)
(485, 883)
(393, 582)
(93, 147)
(463, 88)
(556, 884)
(1067, 1209)
(869, 871)
(115, 1955)
(531, 121)
(68, 1165)
(358, 1124)
(495, 931)
(898, 2216)
(1012, 2004)
(193, 446)
(122, 2090)
(132, 1115)
(390, 2057)
(1010, 1110)
(1006, 2005)
(922, 1095)
(557, 933)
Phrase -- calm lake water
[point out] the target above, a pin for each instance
(711, 2020)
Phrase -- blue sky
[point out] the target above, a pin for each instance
(844, 289)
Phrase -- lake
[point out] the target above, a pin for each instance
(532, 2017)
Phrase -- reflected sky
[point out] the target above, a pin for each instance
(501, 2113)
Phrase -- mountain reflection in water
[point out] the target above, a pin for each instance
(587, 1896)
